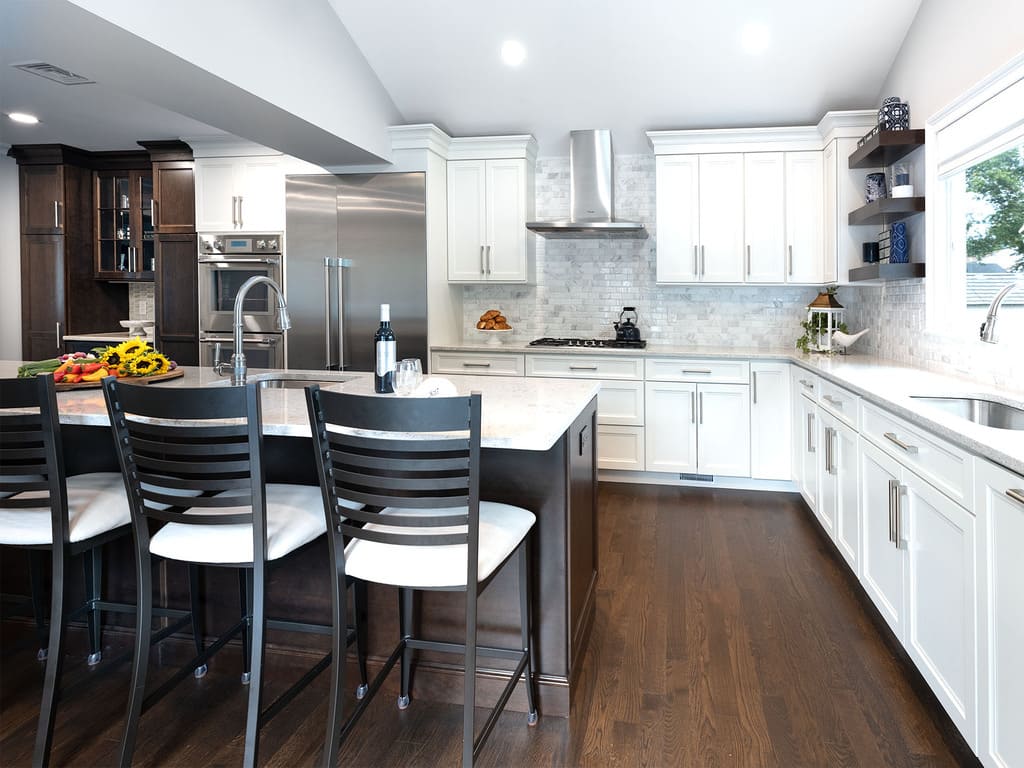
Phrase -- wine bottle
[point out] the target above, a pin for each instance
(386, 353)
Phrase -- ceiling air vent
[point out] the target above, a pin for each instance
(53, 72)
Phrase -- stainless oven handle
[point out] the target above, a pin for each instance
(233, 260)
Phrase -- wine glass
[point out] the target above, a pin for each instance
(408, 375)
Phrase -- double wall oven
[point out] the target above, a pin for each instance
(226, 261)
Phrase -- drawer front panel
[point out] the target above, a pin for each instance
(620, 447)
(943, 465)
(621, 402)
(697, 370)
(482, 364)
(842, 403)
(585, 366)
(805, 382)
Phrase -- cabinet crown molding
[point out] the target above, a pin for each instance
(420, 136)
(493, 148)
(768, 139)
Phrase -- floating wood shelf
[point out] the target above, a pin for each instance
(886, 271)
(887, 210)
(885, 148)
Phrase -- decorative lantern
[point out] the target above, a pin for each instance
(824, 318)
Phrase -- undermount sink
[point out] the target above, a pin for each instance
(297, 379)
(988, 413)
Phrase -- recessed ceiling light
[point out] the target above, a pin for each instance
(513, 53)
(23, 117)
(755, 38)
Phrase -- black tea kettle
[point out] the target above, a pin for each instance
(626, 329)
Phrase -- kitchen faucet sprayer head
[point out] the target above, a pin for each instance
(988, 328)
(282, 314)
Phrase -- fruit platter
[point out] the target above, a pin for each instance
(132, 360)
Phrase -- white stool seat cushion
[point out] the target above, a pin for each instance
(295, 516)
(502, 528)
(96, 504)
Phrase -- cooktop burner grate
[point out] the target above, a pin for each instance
(548, 341)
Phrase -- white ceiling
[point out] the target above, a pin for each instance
(629, 66)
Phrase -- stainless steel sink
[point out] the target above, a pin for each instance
(298, 379)
(988, 413)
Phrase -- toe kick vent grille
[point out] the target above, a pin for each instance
(698, 478)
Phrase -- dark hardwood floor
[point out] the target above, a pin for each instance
(727, 634)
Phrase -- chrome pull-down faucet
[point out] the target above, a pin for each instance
(988, 328)
(238, 357)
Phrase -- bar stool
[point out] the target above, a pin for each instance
(42, 510)
(419, 460)
(208, 441)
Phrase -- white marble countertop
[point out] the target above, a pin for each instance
(518, 413)
(880, 381)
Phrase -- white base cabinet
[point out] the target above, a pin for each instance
(839, 489)
(805, 445)
(999, 504)
(770, 417)
(918, 567)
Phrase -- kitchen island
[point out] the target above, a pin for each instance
(538, 453)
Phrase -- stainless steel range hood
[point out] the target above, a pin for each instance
(591, 192)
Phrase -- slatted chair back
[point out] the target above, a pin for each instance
(405, 453)
(181, 441)
(31, 458)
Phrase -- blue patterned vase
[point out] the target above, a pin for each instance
(899, 252)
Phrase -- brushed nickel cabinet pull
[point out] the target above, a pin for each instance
(753, 376)
(703, 263)
(476, 365)
(891, 437)
(791, 261)
(695, 371)
(693, 407)
(897, 514)
(1016, 494)
(240, 225)
(694, 260)
(483, 266)
(748, 261)
(59, 346)
(152, 213)
(56, 214)
(810, 433)
(807, 384)
(488, 259)
(700, 407)
(832, 401)
(892, 511)
(234, 211)
(582, 367)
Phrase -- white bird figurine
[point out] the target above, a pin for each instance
(844, 340)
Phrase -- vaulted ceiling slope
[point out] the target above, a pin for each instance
(321, 79)
(285, 75)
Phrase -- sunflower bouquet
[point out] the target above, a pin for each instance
(135, 358)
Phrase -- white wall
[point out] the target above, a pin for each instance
(952, 45)
(10, 260)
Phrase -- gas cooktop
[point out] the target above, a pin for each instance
(573, 342)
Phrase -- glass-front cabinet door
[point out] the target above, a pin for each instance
(124, 225)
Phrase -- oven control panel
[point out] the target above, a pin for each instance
(232, 243)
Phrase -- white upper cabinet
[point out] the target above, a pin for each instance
(764, 219)
(243, 194)
(490, 199)
(721, 218)
(805, 243)
(678, 218)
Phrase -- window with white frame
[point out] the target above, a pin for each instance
(976, 182)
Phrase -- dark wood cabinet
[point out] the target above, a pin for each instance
(177, 298)
(124, 225)
(58, 292)
(174, 193)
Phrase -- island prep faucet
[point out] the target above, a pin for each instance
(238, 357)
(988, 328)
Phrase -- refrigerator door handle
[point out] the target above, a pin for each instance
(327, 310)
(340, 264)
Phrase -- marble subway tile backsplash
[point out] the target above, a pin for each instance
(895, 313)
(582, 284)
(141, 301)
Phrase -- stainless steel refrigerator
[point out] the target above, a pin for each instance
(352, 243)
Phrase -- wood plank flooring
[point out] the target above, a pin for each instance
(727, 634)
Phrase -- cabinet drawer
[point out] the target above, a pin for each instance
(805, 382)
(944, 466)
(842, 403)
(480, 364)
(585, 366)
(690, 369)
(620, 447)
(621, 402)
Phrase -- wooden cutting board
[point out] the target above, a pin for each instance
(176, 373)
